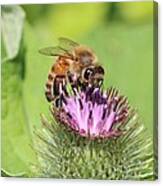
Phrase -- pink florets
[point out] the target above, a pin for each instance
(93, 113)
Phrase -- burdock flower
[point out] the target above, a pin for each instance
(93, 112)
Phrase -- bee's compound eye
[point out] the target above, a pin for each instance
(88, 73)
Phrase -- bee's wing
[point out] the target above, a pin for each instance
(67, 44)
(54, 51)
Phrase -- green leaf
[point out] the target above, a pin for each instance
(7, 174)
(16, 151)
(12, 27)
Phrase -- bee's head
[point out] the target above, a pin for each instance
(93, 75)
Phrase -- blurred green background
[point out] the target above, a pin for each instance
(121, 34)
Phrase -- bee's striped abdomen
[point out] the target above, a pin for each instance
(54, 81)
(49, 85)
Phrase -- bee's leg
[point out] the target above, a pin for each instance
(73, 80)
(98, 82)
(83, 85)
(58, 90)
(57, 102)
(58, 84)
(98, 76)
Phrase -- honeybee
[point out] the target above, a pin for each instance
(74, 63)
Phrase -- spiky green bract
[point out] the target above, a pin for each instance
(64, 154)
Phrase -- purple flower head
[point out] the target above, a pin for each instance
(93, 113)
